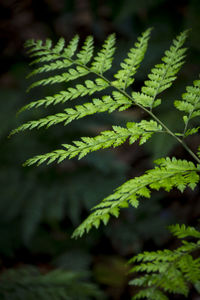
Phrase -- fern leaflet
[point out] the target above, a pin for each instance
(167, 270)
(109, 138)
(103, 60)
(132, 62)
(167, 174)
(190, 104)
(162, 75)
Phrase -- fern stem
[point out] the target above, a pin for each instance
(173, 135)
(155, 118)
(187, 122)
(140, 106)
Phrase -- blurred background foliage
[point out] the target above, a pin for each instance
(40, 207)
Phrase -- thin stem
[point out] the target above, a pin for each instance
(143, 108)
(158, 120)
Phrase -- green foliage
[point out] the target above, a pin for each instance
(172, 270)
(106, 139)
(168, 271)
(29, 283)
(162, 75)
(168, 173)
(190, 104)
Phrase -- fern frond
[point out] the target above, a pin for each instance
(38, 49)
(182, 231)
(130, 65)
(162, 75)
(165, 255)
(169, 271)
(103, 60)
(150, 294)
(28, 283)
(71, 47)
(80, 111)
(167, 174)
(192, 131)
(109, 138)
(190, 267)
(57, 65)
(85, 55)
(64, 77)
(80, 90)
(190, 104)
(67, 53)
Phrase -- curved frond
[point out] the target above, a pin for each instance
(106, 139)
(167, 174)
(107, 103)
(162, 75)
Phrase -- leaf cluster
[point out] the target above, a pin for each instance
(168, 271)
(168, 173)
(29, 283)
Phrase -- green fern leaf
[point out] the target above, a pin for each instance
(169, 271)
(162, 75)
(89, 88)
(167, 174)
(150, 294)
(132, 62)
(190, 104)
(109, 138)
(85, 55)
(103, 60)
(183, 231)
(80, 111)
(71, 48)
(72, 74)
(28, 283)
(57, 65)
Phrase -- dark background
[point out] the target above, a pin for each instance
(40, 207)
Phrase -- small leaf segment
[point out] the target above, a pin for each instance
(168, 271)
(190, 105)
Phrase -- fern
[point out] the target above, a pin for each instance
(28, 283)
(162, 75)
(190, 104)
(168, 173)
(106, 139)
(168, 271)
